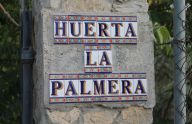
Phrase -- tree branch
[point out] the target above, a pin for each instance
(8, 15)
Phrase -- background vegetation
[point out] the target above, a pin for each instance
(9, 64)
(160, 12)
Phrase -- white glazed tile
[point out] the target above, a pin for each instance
(60, 31)
(108, 30)
(105, 87)
(126, 25)
(117, 86)
(60, 92)
(131, 86)
(88, 87)
(120, 30)
(76, 87)
(109, 54)
(144, 83)
(76, 23)
(92, 27)
(94, 58)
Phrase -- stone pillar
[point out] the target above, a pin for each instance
(53, 58)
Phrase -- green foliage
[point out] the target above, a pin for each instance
(161, 33)
(9, 65)
(161, 16)
(189, 61)
(159, 3)
(163, 38)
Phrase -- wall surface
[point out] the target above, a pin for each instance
(52, 58)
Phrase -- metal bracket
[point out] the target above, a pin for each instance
(27, 56)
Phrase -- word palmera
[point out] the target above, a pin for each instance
(93, 29)
(66, 88)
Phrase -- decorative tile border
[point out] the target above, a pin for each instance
(98, 76)
(99, 99)
(97, 41)
(94, 18)
(98, 70)
(98, 47)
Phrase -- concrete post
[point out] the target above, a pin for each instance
(69, 59)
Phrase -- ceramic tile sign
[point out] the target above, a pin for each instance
(87, 88)
(98, 83)
(98, 58)
(85, 29)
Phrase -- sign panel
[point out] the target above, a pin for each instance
(98, 83)
(83, 88)
(85, 29)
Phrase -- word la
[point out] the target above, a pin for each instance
(98, 58)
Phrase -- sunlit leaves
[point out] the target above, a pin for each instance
(161, 16)
(163, 38)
